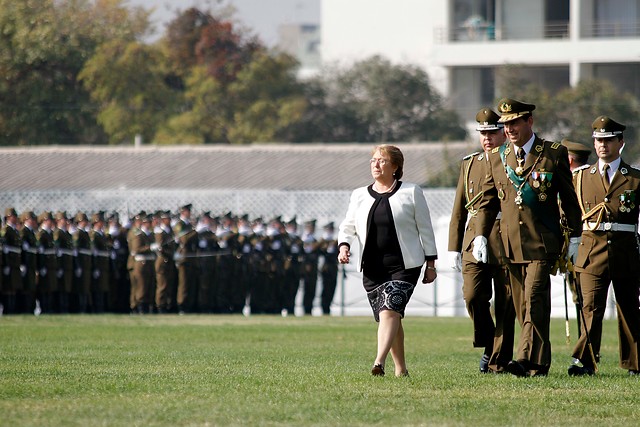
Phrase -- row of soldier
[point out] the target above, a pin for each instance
(163, 263)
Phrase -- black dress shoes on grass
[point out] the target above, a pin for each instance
(579, 371)
(516, 368)
(377, 370)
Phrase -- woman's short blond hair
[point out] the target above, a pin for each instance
(394, 154)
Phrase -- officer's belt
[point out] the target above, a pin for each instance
(85, 252)
(144, 257)
(106, 254)
(69, 252)
(48, 252)
(12, 249)
(609, 226)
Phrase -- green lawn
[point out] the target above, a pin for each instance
(264, 370)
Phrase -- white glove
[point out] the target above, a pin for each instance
(572, 252)
(96, 273)
(202, 243)
(154, 247)
(23, 270)
(480, 249)
(43, 271)
(60, 273)
(6, 270)
(78, 272)
(457, 261)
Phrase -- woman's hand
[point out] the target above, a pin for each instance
(343, 256)
(430, 273)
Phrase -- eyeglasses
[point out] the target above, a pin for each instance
(381, 162)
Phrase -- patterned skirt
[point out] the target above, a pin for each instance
(392, 295)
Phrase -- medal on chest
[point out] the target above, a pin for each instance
(627, 201)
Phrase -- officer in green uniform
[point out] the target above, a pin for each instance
(119, 288)
(142, 248)
(311, 253)
(528, 180)
(101, 263)
(292, 266)
(207, 250)
(608, 193)
(11, 260)
(482, 280)
(83, 269)
(29, 265)
(186, 263)
(65, 257)
(329, 270)
(165, 266)
(47, 263)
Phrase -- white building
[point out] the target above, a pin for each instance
(461, 43)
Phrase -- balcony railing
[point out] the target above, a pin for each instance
(611, 29)
(487, 31)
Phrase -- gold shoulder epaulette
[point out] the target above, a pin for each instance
(470, 155)
(555, 145)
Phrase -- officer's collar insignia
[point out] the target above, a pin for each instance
(624, 171)
(481, 156)
(539, 148)
(593, 170)
(495, 150)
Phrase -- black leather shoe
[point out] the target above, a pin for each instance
(579, 371)
(516, 368)
(377, 370)
(484, 364)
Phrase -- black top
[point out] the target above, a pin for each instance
(382, 254)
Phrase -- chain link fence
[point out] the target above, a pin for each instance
(444, 298)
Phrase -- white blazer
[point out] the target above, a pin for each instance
(410, 216)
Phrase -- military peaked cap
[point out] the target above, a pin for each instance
(10, 212)
(488, 120)
(510, 109)
(606, 127)
(46, 215)
(576, 147)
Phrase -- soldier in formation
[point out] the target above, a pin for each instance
(159, 263)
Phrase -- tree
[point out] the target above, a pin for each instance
(259, 106)
(127, 80)
(43, 46)
(375, 101)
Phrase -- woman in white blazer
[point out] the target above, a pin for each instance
(390, 221)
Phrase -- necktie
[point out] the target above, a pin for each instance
(605, 176)
(520, 160)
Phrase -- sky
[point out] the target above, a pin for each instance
(263, 16)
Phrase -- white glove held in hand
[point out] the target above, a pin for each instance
(572, 252)
(480, 249)
(457, 261)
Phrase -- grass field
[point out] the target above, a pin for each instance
(214, 370)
